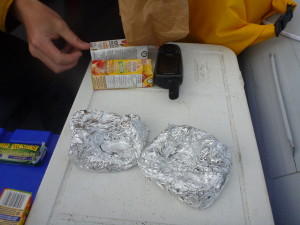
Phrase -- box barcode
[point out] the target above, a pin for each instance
(14, 199)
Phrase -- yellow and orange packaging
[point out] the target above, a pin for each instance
(14, 206)
(118, 73)
(115, 64)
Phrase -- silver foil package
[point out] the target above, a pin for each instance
(188, 162)
(106, 142)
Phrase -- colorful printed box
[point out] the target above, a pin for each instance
(14, 206)
(117, 65)
(111, 74)
(117, 49)
(22, 153)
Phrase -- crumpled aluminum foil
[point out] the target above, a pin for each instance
(190, 163)
(106, 142)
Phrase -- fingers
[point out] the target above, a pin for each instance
(57, 60)
(43, 25)
(56, 68)
(67, 49)
(74, 40)
(57, 56)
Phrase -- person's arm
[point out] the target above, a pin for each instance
(43, 25)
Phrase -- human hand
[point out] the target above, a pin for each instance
(43, 25)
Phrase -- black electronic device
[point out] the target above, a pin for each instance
(168, 69)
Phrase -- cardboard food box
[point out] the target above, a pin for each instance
(115, 64)
(14, 206)
(129, 73)
(22, 153)
(117, 49)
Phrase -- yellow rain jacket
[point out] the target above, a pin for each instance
(233, 23)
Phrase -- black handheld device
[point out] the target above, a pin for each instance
(168, 69)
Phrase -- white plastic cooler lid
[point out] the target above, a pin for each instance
(211, 98)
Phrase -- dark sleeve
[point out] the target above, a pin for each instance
(10, 22)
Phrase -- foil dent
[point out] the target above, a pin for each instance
(191, 164)
(106, 142)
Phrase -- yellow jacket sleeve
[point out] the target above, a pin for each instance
(4, 7)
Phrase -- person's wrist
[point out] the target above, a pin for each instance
(19, 8)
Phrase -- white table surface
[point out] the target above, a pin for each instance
(211, 98)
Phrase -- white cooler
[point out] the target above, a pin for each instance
(211, 98)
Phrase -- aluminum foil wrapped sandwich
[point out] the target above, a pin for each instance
(190, 163)
(106, 142)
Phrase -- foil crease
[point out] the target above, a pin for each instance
(189, 163)
(106, 142)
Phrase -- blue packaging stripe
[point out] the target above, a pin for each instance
(19, 157)
(9, 218)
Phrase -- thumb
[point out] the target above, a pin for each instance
(74, 40)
